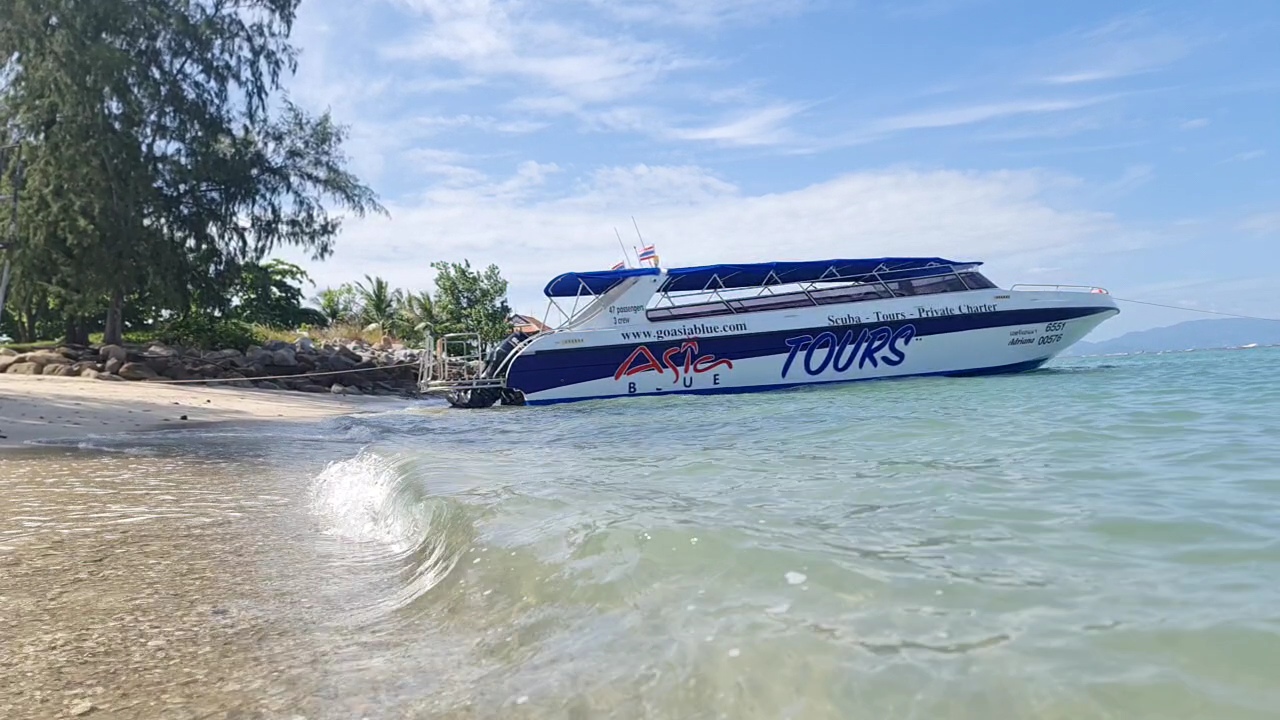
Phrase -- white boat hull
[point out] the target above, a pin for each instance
(621, 353)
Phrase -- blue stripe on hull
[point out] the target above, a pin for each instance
(543, 370)
(977, 372)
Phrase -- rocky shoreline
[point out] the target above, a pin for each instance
(348, 368)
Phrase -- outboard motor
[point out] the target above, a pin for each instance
(484, 397)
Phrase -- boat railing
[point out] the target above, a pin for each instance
(454, 362)
(1033, 287)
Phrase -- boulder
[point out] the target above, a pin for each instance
(42, 358)
(284, 357)
(109, 376)
(80, 367)
(113, 365)
(8, 352)
(274, 345)
(305, 345)
(25, 368)
(312, 388)
(338, 389)
(58, 370)
(89, 373)
(162, 350)
(268, 385)
(70, 353)
(222, 356)
(6, 361)
(137, 371)
(113, 352)
(177, 372)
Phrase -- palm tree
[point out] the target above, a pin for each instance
(378, 303)
(338, 305)
(416, 315)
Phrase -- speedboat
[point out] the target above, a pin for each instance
(648, 331)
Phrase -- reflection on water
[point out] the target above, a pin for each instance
(1093, 541)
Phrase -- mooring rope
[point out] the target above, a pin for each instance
(279, 377)
(1191, 309)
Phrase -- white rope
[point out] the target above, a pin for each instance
(1189, 309)
(281, 377)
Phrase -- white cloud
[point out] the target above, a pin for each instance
(495, 39)
(1194, 124)
(1248, 155)
(757, 127)
(1267, 223)
(1125, 46)
(972, 114)
(1010, 218)
(699, 13)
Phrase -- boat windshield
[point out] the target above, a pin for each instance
(711, 302)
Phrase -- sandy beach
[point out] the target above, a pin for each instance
(34, 408)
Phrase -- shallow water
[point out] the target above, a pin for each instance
(1097, 539)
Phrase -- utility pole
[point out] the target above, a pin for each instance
(10, 165)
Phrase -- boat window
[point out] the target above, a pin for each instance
(978, 281)
(853, 292)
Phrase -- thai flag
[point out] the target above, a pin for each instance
(619, 266)
(648, 253)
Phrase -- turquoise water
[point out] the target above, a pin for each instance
(1097, 539)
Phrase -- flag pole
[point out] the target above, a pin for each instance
(622, 247)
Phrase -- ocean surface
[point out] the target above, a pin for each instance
(1098, 539)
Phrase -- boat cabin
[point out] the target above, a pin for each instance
(713, 290)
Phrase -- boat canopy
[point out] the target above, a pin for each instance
(725, 277)
(591, 283)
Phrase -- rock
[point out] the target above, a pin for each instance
(284, 357)
(6, 361)
(25, 368)
(346, 352)
(89, 373)
(8, 352)
(162, 350)
(80, 367)
(113, 352)
(274, 345)
(110, 377)
(268, 385)
(222, 356)
(70, 353)
(353, 391)
(258, 357)
(177, 372)
(339, 362)
(305, 345)
(338, 389)
(84, 707)
(312, 388)
(58, 370)
(42, 358)
(113, 365)
(137, 371)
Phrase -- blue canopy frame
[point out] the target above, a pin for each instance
(726, 277)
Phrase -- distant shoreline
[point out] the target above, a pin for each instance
(42, 408)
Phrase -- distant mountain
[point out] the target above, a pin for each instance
(1196, 334)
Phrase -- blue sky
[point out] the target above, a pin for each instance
(1132, 146)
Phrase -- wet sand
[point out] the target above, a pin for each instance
(34, 408)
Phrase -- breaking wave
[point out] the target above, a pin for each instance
(375, 501)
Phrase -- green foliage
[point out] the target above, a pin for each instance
(378, 303)
(271, 295)
(210, 333)
(470, 301)
(338, 305)
(163, 158)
